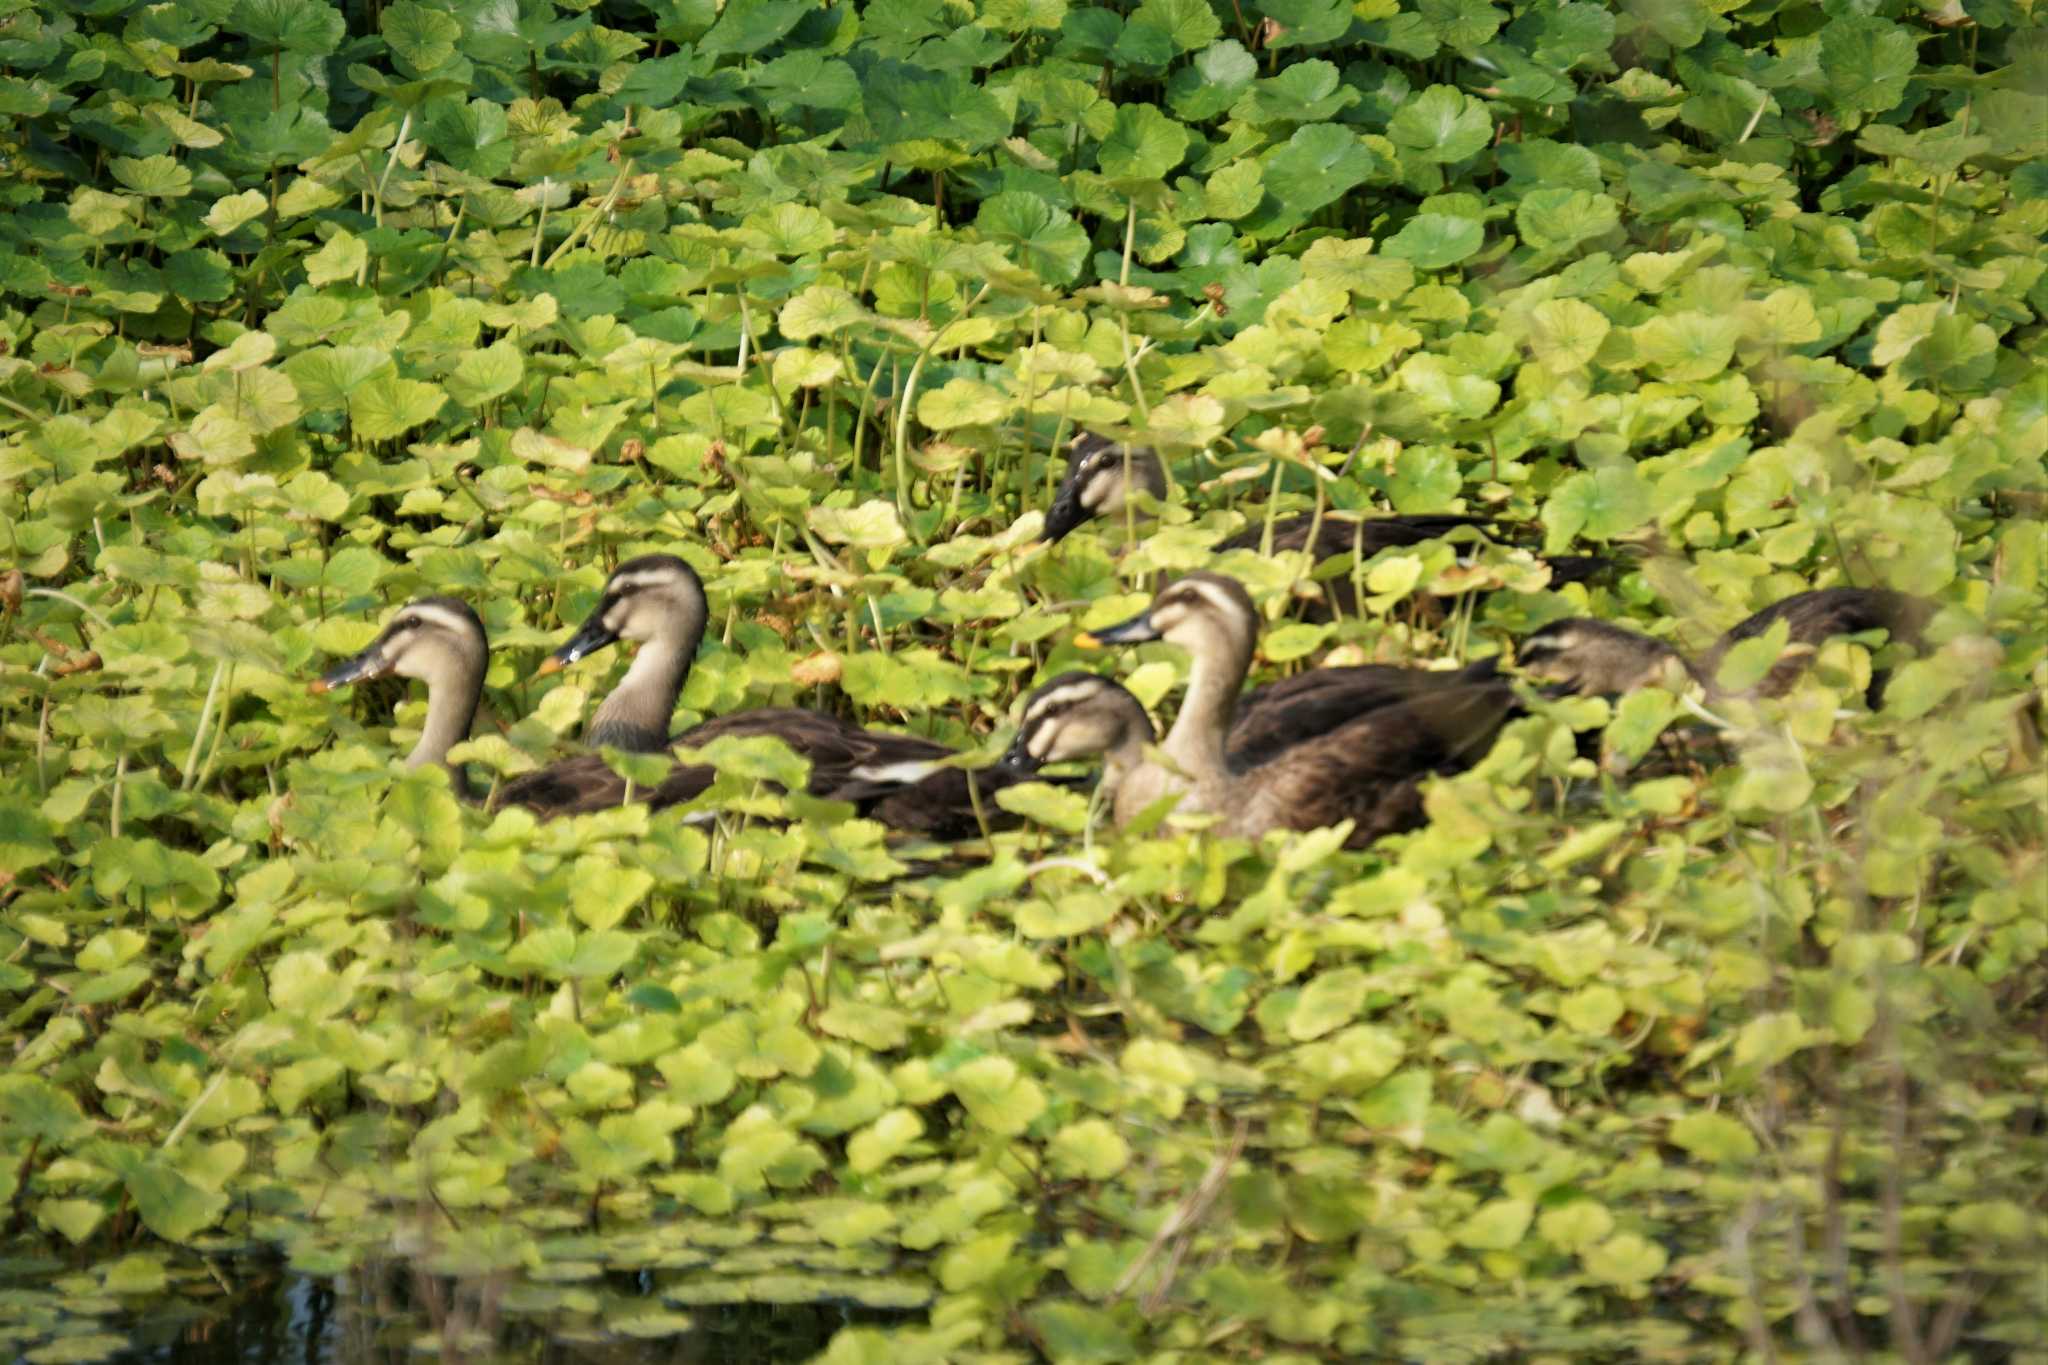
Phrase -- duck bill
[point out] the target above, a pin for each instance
(589, 638)
(1065, 514)
(1135, 631)
(1016, 759)
(365, 666)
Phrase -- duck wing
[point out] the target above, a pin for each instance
(1812, 618)
(1278, 715)
(838, 750)
(1370, 770)
(573, 786)
(1336, 534)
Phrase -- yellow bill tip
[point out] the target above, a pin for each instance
(1087, 640)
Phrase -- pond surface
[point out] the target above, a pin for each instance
(267, 1314)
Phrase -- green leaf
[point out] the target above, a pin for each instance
(1625, 1259)
(303, 26)
(36, 1110)
(421, 39)
(882, 1141)
(874, 1027)
(1044, 804)
(344, 257)
(1689, 345)
(160, 177)
(1043, 237)
(1498, 1225)
(1143, 145)
(1075, 1334)
(482, 375)
(327, 376)
(904, 102)
(1435, 241)
(171, 1205)
(602, 893)
(1593, 1010)
(1091, 1149)
(1770, 1038)
(1866, 61)
(1330, 1001)
(1463, 25)
(1189, 23)
(1746, 662)
(1606, 503)
(961, 403)
(1317, 165)
(997, 1096)
(386, 406)
(1714, 1138)
(820, 310)
(1565, 334)
(1306, 23)
(1559, 219)
(1441, 125)
(1213, 81)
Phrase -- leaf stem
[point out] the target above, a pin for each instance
(199, 730)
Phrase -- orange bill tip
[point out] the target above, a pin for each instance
(548, 665)
(1085, 640)
(318, 686)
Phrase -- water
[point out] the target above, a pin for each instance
(388, 1313)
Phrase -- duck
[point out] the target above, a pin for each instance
(1599, 658)
(440, 641)
(1306, 762)
(658, 601)
(1104, 476)
(1370, 771)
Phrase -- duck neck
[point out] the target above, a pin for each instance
(636, 715)
(451, 710)
(1126, 757)
(1195, 743)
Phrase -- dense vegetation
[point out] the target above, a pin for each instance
(306, 310)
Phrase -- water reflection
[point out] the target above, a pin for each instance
(389, 1313)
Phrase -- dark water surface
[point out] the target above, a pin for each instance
(267, 1314)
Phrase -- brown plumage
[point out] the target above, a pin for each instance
(659, 601)
(1600, 658)
(1301, 765)
(1369, 770)
(1103, 476)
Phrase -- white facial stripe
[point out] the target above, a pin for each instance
(639, 580)
(1217, 599)
(1098, 489)
(1061, 697)
(440, 618)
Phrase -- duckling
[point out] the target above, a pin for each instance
(658, 600)
(1599, 658)
(1101, 479)
(441, 641)
(1081, 716)
(1104, 475)
(1404, 724)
